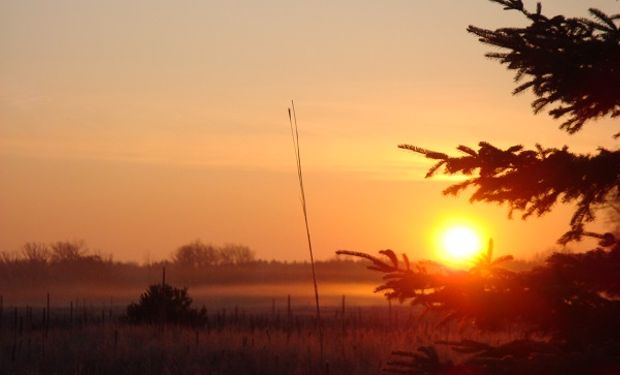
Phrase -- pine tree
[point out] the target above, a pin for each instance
(572, 302)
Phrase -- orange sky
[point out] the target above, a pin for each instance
(141, 125)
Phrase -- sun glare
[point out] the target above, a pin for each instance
(460, 243)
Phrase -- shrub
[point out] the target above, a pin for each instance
(165, 304)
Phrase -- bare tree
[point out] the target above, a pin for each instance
(196, 254)
(68, 251)
(36, 252)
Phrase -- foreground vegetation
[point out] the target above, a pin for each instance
(230, 342)
(573, 300)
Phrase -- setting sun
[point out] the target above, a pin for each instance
(460, 243)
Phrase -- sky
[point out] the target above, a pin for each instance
(138, 126)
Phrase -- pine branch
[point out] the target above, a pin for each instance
(533, 181)
(572, 63)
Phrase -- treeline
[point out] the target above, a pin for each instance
(71, 263)
(193, 254)
(65, 263)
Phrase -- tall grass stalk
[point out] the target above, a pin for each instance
(292, 118)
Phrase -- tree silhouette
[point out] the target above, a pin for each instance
(199, 255)
(36, 253)
(573, 62)
(572, 302)
(570, 61)
(165, 304)
(196, 255)
(68, 251)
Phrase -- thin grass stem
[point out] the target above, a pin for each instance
(292, 116)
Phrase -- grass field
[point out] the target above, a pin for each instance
(275, 340)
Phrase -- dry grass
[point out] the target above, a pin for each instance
(262, 343)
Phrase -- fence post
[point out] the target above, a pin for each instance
(289, 312)
(71, 313)
(47, 318)
(343, 313)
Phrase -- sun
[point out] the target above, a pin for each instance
(460, 243)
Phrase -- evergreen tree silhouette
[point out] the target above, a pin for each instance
(572, 302)
(165, 304)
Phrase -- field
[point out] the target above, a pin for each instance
(273, 338)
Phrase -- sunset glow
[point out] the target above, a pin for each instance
(179, 111)
(460, 243)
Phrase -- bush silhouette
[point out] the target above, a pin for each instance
(165, 304)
